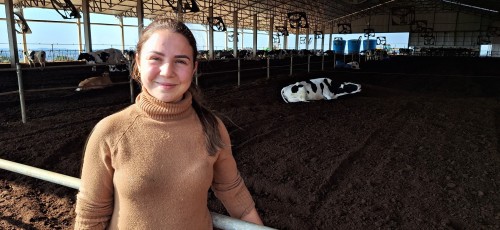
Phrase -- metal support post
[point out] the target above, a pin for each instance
(323, 62)
(334, 60)
(308, 63)
(21, 91)
(268, 68)
(239, 71)
(131, 82)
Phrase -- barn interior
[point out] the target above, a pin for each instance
(418, 147)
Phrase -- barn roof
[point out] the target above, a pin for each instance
(321, 14)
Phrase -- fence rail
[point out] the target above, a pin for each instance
(219, 221)
(282, 64)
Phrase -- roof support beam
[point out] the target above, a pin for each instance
(297, 30)
(11, 30)
(140, 16)
(254, 35)
(86, 25)
(271, 28)
(285, 38)
(235, 33)
(210, 35)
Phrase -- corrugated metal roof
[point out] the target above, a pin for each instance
(319, 13)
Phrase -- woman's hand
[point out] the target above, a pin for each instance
(253, 216)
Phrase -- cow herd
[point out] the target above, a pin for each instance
(303, 91)
(116, 60)
(247, 54)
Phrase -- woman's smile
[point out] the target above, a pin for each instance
(166, 85)
(166, 70)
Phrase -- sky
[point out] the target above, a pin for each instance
(64, 34)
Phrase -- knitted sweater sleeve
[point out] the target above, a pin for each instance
(94, 205)
(228, 185)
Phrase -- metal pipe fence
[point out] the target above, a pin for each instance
(219, 221)
(295, 64)
(52, 55)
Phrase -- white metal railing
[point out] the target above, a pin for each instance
(292, 65)
(219, 221)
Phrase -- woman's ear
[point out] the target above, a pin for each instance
(137, 59)
(195, 67)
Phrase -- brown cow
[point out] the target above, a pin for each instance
(98, 82)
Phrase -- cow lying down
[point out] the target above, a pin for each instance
(318, 89)
(95, 82)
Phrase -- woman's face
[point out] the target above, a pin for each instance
(166, 65)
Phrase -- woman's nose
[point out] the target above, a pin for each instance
(166, 69)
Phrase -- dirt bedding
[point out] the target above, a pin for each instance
(410, 151)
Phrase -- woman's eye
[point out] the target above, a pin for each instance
(154, 58)
(181, 61)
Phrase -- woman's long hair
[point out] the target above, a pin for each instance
(208, 119)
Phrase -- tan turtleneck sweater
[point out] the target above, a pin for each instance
(146, 167)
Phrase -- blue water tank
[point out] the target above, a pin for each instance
(370, 44)
(339, 46)
(353, 46)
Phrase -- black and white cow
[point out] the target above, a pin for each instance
(129, 55)
(317, 89)
(115, 58)
(94, 57)
(130, 58)
(36, 57)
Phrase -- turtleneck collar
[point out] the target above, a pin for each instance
(164, 111)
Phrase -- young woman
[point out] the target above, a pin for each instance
(150, 166)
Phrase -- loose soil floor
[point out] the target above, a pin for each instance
(410, 151)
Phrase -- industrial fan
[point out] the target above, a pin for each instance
(298, 20)
(217, 24)
(344, 28)
(186, 6)
(382, 40)
(418, 26)
(67, 10)
(403, 15)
